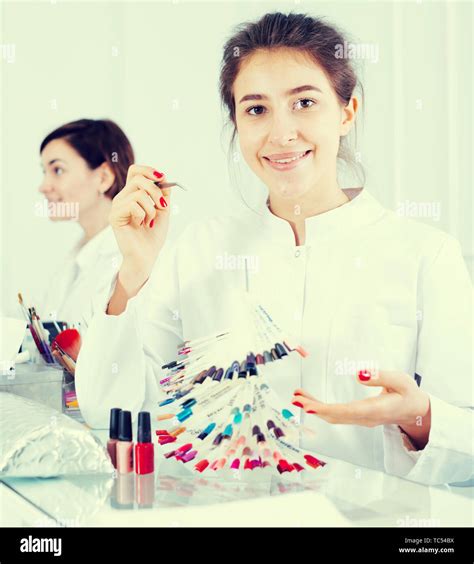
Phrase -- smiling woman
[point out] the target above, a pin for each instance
(258, 63)
(356, 283)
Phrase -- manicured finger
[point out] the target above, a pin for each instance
(307, 404)
(149, 187)
(368, 412)
(137, 214)
(391, 380)
(304, 393)
(146, 203)
(331, 412)
(147, 172)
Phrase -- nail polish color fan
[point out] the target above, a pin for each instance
(221, 412)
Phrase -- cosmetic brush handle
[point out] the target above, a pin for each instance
(42, 337)
(39, 344)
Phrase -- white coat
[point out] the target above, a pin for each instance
(86, 273)
(367, 288)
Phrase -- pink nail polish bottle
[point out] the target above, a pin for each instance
(113, 435)
(125, 443)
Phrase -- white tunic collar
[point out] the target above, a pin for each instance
(362, 209)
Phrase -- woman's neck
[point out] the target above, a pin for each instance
(95, 219)
(320, 199)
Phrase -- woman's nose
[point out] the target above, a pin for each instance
(45, 187)
(282, 129)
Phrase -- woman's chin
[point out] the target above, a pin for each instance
(290, 189)
(61, 218)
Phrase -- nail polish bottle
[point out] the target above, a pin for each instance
(113, 435)
(125, 443)
(144, 449)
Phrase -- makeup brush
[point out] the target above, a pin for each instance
(23, 308)
(169, 185)
(38, 329)
(64, 360)
(70, 342)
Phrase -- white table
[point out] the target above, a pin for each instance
(340, 494)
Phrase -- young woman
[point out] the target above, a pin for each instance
(85, 165)
(359, 286)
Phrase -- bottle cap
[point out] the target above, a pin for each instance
(114, 422)
(144, 427)
(125, 426)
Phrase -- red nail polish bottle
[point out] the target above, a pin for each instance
(113, 435)
(144, 448)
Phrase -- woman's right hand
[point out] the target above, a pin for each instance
(140, 218)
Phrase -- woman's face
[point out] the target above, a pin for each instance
(289, 121)
(69, 185)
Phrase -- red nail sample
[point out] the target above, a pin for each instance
(313, 461)
(158, 174)
(297, 403)
(202, 465)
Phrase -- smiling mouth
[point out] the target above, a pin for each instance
(284, 162)
(287, 158)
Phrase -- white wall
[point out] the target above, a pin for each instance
(153, 67)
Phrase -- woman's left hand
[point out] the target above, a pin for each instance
(400, 402)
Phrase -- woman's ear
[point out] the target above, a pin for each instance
(348, 116)
(106, 177)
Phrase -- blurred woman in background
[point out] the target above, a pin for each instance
(85, 165)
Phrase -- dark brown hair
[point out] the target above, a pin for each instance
(300, 32)
(98, 141)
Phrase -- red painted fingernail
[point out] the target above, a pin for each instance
(364, 375)
(158, 174)
(163, 202)
(152, 222)
(297, 394)
(297, 403)
(311, 411)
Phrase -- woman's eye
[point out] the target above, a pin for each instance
(58, 170)
(256, 110)
(306, 103)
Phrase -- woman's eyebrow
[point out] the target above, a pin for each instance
(297, 90)
(55, 161)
